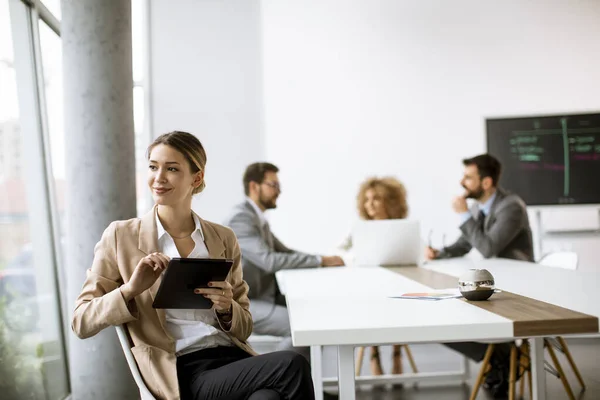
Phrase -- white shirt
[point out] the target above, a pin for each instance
(192, 329)
(485, 207)
(259, 212)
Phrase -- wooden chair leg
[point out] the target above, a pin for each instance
(522, 373)
(376, 369)
(512, 372)
(397, 359)
(411, 360)
(483, 371)
(359, 360)
(561, 373)
(563, 344)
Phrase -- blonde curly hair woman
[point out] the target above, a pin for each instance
(380, 198)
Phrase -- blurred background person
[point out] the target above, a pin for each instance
(378, 199)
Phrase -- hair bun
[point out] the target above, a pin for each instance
(200, 188)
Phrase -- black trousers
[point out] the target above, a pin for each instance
(229, 373)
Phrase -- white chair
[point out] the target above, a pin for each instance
(560, 259)
(126, 346)
(264, 343)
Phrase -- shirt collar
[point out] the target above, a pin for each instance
(162, 231)
(485, 207)
(259, 212)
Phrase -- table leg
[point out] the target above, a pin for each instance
(537, 368)
(346, 372)
(316, 366)
(466, 370)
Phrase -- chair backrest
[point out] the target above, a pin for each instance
(560, 259)
(137, 377)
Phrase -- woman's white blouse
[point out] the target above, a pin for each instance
(192, 329)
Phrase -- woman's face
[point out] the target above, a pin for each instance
(169, 176)
(375, 205)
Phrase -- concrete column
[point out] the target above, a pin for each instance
(100, 165)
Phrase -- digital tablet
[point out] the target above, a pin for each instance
(183, 275)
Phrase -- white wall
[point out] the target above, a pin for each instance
(335, 91)
(206, 79)
(354, 88)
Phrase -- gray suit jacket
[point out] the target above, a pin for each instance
(505, 233)
(262, 253)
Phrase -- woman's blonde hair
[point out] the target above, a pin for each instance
(188, 145)
(393, 193)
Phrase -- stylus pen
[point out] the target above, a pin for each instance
(430, 244)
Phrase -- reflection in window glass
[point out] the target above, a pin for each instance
(14, 231)
(29, 323)
(53, 89)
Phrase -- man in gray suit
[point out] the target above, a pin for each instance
(263, 254)
(497, 226)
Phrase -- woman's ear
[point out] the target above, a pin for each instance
(198, 179)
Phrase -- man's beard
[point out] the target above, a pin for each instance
(268, 203)
(474, 194)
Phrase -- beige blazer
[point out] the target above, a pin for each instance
(101, 304)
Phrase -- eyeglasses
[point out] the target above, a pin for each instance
(274, 185)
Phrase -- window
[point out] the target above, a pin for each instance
(33, 362)
(140, 102)
(141, 143)
(32, 357)
(51, 50)
(52, 73)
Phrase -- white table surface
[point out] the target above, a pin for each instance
(575, 290)
(349, 305)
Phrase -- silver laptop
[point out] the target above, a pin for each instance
(387, 242)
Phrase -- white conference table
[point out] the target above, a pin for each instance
(351, 306)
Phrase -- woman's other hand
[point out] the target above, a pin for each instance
(220, 293)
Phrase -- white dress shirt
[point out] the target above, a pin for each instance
(259, 212)
(485, 207)
(192, 329)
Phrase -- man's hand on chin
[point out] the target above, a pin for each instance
(459, 204)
